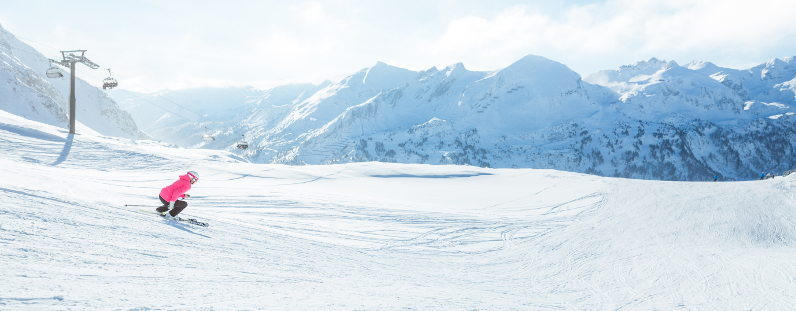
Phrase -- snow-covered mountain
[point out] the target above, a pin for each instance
(651, 120)
(691, 122)
(26, 91)
(451, 116)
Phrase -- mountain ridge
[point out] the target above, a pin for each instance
(654, 119)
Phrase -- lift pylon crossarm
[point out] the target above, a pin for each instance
(60, 63)
(89, 63)
(73, 57)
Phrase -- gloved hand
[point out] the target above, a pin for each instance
(187, 196)
(171, 205)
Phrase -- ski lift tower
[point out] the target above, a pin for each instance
(70, 58)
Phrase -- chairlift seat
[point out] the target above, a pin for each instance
(109, 83)
(243, 144)
(207, 136)
(54, 72)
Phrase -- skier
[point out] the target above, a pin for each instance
(169, 195)
(762, 176)
(715, 178)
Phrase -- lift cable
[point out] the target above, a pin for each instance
(128, 92)
(26, 39)
(117, 74)
(163, 97)
(136, 96)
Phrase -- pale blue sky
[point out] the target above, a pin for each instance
(181, 44)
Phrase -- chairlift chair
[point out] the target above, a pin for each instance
(243, 144)
(54, 71)
(207, 136)
(109, 83)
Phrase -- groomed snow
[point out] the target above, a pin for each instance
(374, 236)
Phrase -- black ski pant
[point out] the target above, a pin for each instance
(178, 207)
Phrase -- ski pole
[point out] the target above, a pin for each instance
(140, 205)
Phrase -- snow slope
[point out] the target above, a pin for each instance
(374, 236)
(26, 91)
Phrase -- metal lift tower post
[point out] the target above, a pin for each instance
(70, 58)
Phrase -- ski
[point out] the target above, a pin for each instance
(187, 220)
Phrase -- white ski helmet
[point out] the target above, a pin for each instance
(193, 175)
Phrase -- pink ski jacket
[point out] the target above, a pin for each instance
(177, 190)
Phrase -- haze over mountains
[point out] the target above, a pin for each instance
(652, 120)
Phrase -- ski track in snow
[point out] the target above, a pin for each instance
(374, 236)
